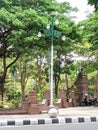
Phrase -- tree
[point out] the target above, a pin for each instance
(89, 44)
(95, 3)
(14, 36)
(19, 23)
(90, 32)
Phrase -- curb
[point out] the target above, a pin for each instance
(60, 120)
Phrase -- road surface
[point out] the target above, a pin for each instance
(74, 126)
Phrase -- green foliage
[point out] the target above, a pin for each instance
(88, 46)
(13, 97)
(20, 21)
(94, 2)
(40, 95)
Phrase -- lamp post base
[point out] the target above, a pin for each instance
(53, 111)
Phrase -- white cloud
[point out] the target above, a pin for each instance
(84, 8)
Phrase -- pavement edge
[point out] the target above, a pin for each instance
(40, 121)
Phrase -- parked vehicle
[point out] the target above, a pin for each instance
(89, 102)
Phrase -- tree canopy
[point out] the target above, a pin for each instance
(24, 54)
(95, 3)
(20, 22)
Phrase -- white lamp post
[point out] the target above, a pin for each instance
(52, 33)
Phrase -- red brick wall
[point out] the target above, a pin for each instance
(32, 107)
(12, 111)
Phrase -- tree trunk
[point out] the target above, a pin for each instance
(66, 81)
(23, 92)
(23, 84)
(2, 97)
(56, 79)
(2, 81)
(39, 78)
(66, 85)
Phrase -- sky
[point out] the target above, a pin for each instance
(84, 9)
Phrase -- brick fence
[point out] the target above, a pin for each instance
(31, 105)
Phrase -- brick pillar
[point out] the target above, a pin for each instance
(62, 94)
(74, 103)
(33, 97)
(63, 98)
(82, 86)
(47, 97)
(34, 107)
(47, 94)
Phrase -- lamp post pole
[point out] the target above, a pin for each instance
(51, 33)
(51, 69)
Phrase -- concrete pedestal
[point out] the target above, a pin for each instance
(53, 111)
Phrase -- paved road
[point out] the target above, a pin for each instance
(82, 126)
